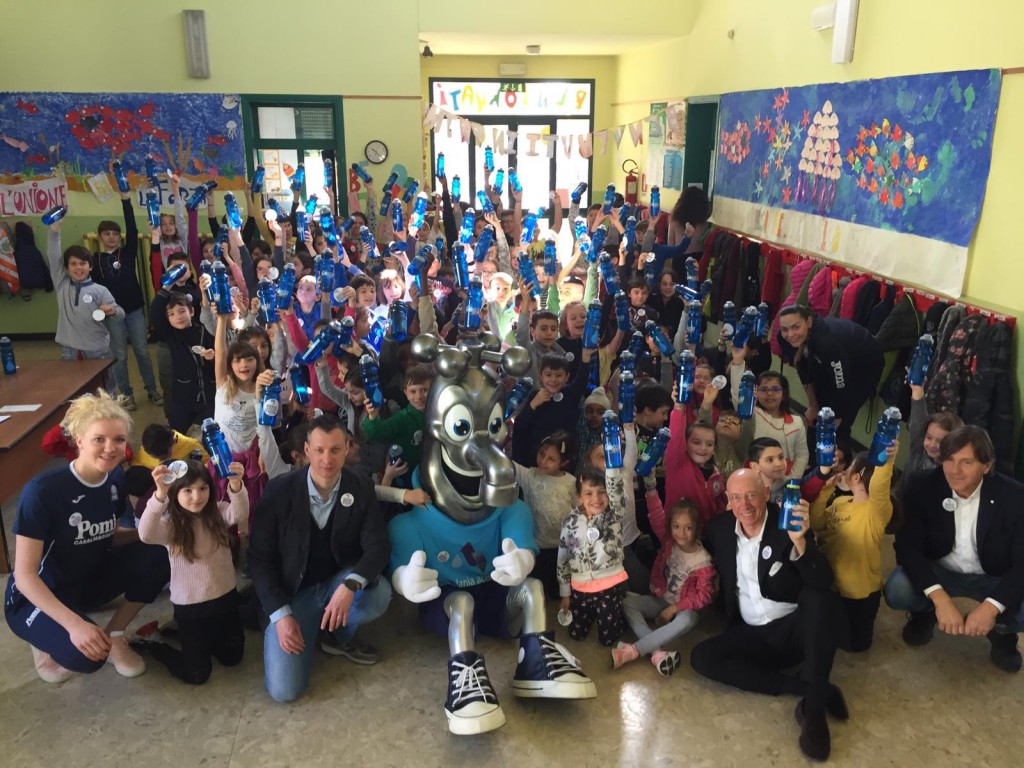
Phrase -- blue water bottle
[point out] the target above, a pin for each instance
(418, 265)
(121, 177)
(627, 391)
(691, 272)
(311, 205)
(592, 328)
(499, 181)
(597, 242)
(513, 180)
(790, 501)
(745, 407)
(630, 234)
(468, 224)
(358, 170)
(661, 341)
(624, 213)
(637, 346)
(301, 225)
(456, 189)
(885, 433)
(612, 441)
(745, 327)
(488, 159)
(397, 216)
(609, 198)
(323, 268)
(485, 202)
(687, 371)
(222, 291)
(298, 179)
(728, 327)
(173, 275)
(154, 181)
(348, 330)
(275, 206)
(461, 268)
(318, 346)
(152, 210)
(655, 201)
(389, 185)
(694, 322)
(299, 376)
(196, 198)
(398, 319)
(483, 245)
(410, 191)
(550, 258)
(371, 245)
(395, 451)
(217, 446)
(7, 356)
(517, 396)
(761, 326)
(270, 403)
(286, 287)
(577, 194)
(825, 437)
(234, 215)
(608, 273)
(385, 202)
(257, 180)
(474, 304)
(206, 268)
(370, 374)
(526, 273)
(920, 360)
(329, 174)
(265, 293)
(622, 312)
(529, 228)
(440, 165)
(653, 452)
(327, 227)
(627, 361)
(419, 213)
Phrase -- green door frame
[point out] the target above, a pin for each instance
(699, 164)
(252, 101)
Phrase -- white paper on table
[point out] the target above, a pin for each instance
(20, 408)
(3, 419)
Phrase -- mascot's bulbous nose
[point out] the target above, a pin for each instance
(498, 488)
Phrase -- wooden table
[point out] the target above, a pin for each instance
(51, 383)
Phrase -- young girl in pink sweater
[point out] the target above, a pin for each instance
(184, 515)
(690, 470)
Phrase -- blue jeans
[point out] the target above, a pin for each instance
(901, 595)
(286, 675)
(639, 608)
(131, 329)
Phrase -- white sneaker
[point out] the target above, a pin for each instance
(49, 671)
(126, 661)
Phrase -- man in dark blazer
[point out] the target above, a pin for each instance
(963, 536)
(317, 549)
(775, 590)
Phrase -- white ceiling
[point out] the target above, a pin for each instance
(552, 44)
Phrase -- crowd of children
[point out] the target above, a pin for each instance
(324, 316)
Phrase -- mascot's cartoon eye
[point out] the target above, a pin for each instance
(458, 423)
(496, 423)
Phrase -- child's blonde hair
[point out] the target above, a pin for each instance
(86, 410)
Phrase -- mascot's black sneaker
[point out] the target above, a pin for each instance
(546, 670)
(472, 706)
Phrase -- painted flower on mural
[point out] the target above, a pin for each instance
(885, 163)
(736, 144)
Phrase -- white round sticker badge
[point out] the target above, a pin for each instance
(949, 504)
(593, 534)
(98, 315)
(766, 553)
(347, 499)
(442, 556)
(87, 298)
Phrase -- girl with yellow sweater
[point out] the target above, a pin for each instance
(850, 529)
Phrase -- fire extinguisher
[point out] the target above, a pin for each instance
(631, 169)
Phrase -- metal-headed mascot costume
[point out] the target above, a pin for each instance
(466, 557)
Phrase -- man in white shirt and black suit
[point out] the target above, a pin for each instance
(962, 536)
(775, 589)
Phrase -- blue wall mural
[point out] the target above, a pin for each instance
(909, 154)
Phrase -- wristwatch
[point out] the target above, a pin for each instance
(353, 585)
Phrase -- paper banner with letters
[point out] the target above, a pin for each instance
(888, 175)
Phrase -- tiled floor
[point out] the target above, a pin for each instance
(945, 705)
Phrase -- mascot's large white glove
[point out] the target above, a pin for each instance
(414, 582)
(512, 567)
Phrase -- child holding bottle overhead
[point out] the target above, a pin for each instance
(850, 529)
(185, 516)
(690, 470)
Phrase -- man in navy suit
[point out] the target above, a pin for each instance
(780, 608)
(963, 536)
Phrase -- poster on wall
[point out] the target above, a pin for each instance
(76, 135)
(887, 175)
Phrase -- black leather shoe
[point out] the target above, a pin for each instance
(919, 628)
(835, 703)
(1004, 653)
(815, 740)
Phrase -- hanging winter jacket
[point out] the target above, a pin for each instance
(32, 268)
(797, 275)
(945, 389)
(951, 318)
(988, 394)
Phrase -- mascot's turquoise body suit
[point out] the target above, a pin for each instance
(466, 558)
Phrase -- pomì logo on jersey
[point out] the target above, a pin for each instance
(89, 532)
